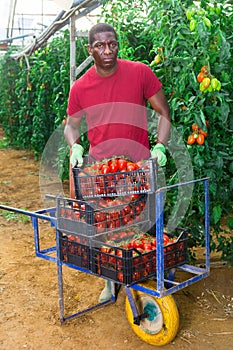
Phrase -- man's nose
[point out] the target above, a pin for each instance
(107, 49)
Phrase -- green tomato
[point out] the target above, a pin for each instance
(214, 83)
(218, 88)
(202, 88)
(192, 25)
(210, 88)
(207, 22)
(217, 10)
(189, 14)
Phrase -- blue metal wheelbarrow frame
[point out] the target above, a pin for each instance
(53, 254)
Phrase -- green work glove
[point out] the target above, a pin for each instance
(76, 158)
(158, 152)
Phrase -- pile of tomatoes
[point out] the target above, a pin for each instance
(113, 177)
(208, 82)
(108, 213)
(119, 212)
(74, 249)
(126, 256)
(198, 135)
(134, 257)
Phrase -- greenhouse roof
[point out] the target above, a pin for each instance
(24, 22)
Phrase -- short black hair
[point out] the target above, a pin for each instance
(100, 28)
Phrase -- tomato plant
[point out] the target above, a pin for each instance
(33, 102)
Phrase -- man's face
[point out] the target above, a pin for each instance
(104, 51)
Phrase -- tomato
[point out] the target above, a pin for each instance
(214, 83)
(200, 77)
(105, 169)
(202, 132)
(202, 88)
(157, 59)
(126, 209)
(166, 239)
(200, 139)
(160, 49)
(104, 249)
(192, 25)
(122, 164)
(137, 244)
(113, 164)
(191, 140)
(133, 197)
(218, 88)
(207, 22)
(131, 166)
(206, 82)
(194, 127)
(147, 247)
(189, 14)
(100, 226)
(100, 216)
(204, 69)
(120, 276)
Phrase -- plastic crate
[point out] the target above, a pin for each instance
(129, 266)
(91, 218)
(90, 184)
(75, 250)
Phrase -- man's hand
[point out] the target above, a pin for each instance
(159, 152)
(76, 158)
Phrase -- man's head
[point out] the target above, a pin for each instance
(103, 46)
(100, 28)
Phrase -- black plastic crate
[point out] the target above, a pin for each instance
(89, 218)
(75, 250)
(90, 184)
(129, 266)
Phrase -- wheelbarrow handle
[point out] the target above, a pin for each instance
(38, 214)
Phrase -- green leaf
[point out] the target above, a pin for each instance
(217, 213)
(230, 223)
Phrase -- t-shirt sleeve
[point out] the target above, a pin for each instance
(73, 107)
(151, 82)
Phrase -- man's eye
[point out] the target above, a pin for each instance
(113, 45)
(99, 46)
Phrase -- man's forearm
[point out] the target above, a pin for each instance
(164, 127)
(71, 134)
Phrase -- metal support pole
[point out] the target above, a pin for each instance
(72, 50)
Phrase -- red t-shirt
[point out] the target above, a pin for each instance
(115, 109)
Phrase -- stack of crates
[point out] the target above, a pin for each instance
(97, 230)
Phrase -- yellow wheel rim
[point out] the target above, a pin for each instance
(162, 323)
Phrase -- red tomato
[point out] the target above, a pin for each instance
(165, 239)
(131, 166)
(120, 276)
(122, 164)
(200, 139)
(137, 244)
(114, 167)
(105, 169)
(147, 247)
(100, 216)
(133, 197)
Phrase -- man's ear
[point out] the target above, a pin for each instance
(89, 49)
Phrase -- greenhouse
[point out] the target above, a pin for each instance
(116, 134)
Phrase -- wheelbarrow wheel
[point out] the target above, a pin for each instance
(162, 323)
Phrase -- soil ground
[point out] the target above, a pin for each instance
(29, 314)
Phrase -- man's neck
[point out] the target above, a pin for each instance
(106, 72)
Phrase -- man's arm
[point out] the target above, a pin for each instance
(71, 131)
(72, 137)
(159, 103)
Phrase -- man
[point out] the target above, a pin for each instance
(112, 95)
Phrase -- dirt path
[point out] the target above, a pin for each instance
(29, 314)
